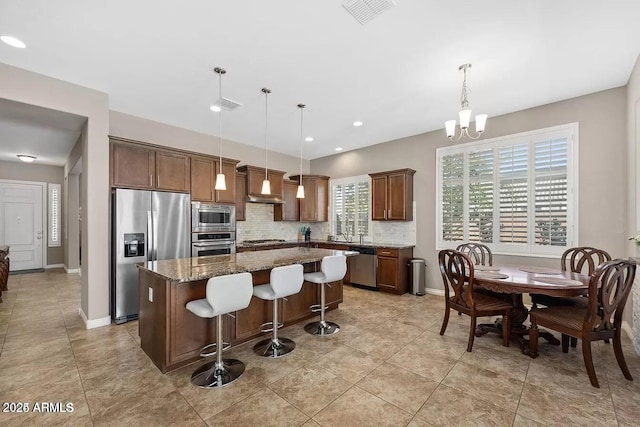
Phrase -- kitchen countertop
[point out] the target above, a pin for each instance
(201, 268)
(334, 242)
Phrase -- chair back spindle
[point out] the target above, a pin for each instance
(478, 253)
(583, 260)
(609, 290)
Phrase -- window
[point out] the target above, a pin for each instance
(350, 206)
(516, 194)
(54, 215)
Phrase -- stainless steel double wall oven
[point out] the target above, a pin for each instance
(213, 229)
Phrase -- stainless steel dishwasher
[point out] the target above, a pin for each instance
(363, 267)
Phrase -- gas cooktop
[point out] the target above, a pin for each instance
(254, 242)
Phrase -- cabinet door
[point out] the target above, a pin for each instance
(297, 306)
(397, 198)
(172, 171)
(288, 211)
(241, 194)
(248, 321)
(132, 166)
(308, 205)
(333, 294)
(229, 171)
(202, 179)
(276, 182)
(379, 198)
(388, 273)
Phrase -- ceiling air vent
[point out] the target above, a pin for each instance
(228, 104)
(365, 10)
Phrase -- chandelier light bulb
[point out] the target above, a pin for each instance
(465, 117)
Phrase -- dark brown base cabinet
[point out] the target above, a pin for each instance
(393, 270)
(173, 337)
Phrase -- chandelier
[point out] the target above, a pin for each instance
(465, 114)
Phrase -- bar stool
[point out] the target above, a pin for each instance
(333, 268)
(284, 281)
(225, 294)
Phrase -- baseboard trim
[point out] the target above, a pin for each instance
(54, 266)
(71, 270)
(626, 327)
(431, 291)
(94, 323)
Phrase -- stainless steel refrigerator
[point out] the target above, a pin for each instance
(146, 226)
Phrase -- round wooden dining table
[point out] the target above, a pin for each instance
(512, 281)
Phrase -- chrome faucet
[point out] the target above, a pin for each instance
(361, 236)
(347, 238)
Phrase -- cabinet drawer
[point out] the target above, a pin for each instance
(388, 252)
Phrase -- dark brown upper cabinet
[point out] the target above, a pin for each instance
(143, 167)
(289, 210)
(315, 205)
(203, 178)
(392, 195)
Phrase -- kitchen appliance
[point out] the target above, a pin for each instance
(213, 243)
(363, 267)
(208, 217)
(146, 226)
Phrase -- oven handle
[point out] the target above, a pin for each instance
(205, 245)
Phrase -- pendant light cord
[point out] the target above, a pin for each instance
(220, 117)
(266, 127)
(301, 127)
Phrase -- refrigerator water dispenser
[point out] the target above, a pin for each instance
(133, 245)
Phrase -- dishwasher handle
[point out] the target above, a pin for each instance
(363, 250)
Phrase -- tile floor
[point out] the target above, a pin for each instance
(387, 366)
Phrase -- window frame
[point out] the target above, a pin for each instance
(571, 132)
(349, 180)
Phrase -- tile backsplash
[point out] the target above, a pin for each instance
(259, 224)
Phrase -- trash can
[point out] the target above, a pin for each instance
(418, 272)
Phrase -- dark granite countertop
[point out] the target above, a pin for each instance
(334, 242)
(201, 268)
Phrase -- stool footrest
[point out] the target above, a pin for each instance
(203, 353)
(268, 326)
(317, 308)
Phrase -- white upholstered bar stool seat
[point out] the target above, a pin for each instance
(332, 269)
(225, 294)
(283, 282)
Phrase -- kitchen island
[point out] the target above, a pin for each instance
(173, 337)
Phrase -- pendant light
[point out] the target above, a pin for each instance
(300, 193)
(220, 179)
(266, 185)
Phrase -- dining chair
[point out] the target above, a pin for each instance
(609, 288)
(458, 274)
(480, 254)
(582, 260)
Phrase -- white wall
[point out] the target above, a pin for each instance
(39, 90)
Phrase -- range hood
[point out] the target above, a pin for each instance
(255, 175)
(270, 199)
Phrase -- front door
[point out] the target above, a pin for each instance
(21, 226)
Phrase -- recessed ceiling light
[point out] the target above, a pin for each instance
(308, 139)
(357, 124)
(12, 41)
(215, 108)
(26, 158)
(338, 148)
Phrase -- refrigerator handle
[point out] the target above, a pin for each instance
(149, 236)
(154, 222)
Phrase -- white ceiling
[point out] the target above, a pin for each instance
(47, 134)
(398, 74)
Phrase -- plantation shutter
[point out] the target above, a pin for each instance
(481, 196)
(350, 206)
(513, 181)
(453, 197)
(551, 192)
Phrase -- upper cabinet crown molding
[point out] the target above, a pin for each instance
(392, 195)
